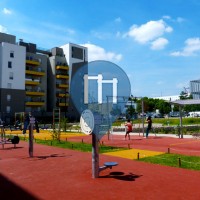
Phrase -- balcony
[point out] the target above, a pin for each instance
(62, 67)
(62, 86)
(34, 103)
(61, 94)
(34, 93)
(63, 104)
(62, 76)
(33, 62)
(36, 73)
(28, 82)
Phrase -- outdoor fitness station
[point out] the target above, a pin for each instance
(181, 104)
(104, 89)
(4, 140)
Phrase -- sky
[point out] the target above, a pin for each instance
(156, 42)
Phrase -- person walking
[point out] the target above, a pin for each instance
(149, 126)
(129, 128)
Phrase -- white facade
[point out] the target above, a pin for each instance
(169, 98)
(71, 59)
(12, 66)
(195, 89)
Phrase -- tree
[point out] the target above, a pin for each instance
(130, 111)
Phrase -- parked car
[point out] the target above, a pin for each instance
(157, 115)
(174, 114)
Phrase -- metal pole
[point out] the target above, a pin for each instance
(65, 101)
(181, 123)
(143, 117)
(95, 157)
(31, 139)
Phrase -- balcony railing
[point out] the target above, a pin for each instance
(62, 76)
(33, 62)
(28, 82)
(34, 103)
(62, 67)
(34, 93)
(62, 86)
(36, 73)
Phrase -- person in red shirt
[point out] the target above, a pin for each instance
(129, 128)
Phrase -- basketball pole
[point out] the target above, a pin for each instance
(95, 156)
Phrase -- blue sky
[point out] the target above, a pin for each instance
(156, 42)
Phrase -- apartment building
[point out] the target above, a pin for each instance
(195, 89)
(12, 76)
(36, 80)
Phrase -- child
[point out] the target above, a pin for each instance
(129, 128)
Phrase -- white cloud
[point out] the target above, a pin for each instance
(178, 19)
(166, 17)
(7, 11)
(149, 31)
(3, 29)
(118, 20)
(98, 53)
(159, 44)
(192, 46)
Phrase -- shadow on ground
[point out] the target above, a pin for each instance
(10, 190)
(121, 176)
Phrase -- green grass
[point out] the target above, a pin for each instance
(79, 146)
(187, 162)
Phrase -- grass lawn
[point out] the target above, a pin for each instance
(175, 160)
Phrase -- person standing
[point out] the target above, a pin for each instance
(129, 128)
(26, 122)
(149, 126)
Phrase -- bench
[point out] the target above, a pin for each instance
(15, 140)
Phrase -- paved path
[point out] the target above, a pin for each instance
(55, 173)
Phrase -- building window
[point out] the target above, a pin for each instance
(8, 97)
(12, 54)
(9, 85)
(9, 64)
(77, 53)
(11, 76)
(8, 109)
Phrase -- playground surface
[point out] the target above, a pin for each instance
(56, 173)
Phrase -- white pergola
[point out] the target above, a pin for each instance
(182, 103)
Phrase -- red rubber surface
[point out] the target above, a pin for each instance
(55, 173)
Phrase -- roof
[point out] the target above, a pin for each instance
(186, 102)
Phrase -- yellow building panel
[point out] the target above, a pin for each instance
(63, 86)
(34, 103)
(63, 95)
(62, 76)
(31, 83)
(33, 62)
(63, 104)
(30, 93)
(62, 67)
(35, 73)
